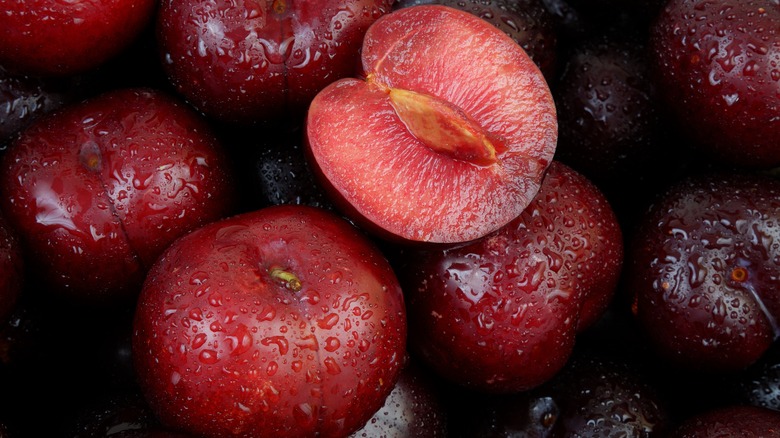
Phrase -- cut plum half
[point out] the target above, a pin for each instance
(446, 136)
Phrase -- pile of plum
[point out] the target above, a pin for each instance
(378, 218)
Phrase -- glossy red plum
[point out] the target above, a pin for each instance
(718, 64)
(705, 270)
(98, 190)
(249, 60)
(284, 321)
(731, 421)
(51, 37)
(501, 314)
(446, 137)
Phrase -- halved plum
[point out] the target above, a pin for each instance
(446, 137)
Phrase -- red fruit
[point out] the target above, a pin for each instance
(731, 421)
(11, 269)
(98, 190)
(705, 271)
(281, 322)
(448, 136)
(501, 313)
(249, 60)
(718, 63)
(51, 37)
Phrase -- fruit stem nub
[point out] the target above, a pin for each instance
(290, 280)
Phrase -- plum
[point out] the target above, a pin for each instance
(718, 66)
(284, 321)
(97, 190)
(426, 148)
(704, 270)
(501, 314)
(57, 38)
(247, 60)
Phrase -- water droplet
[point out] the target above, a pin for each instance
(328, 322)
(280, 342)
(332, 344)
(331, 366)
(199, 278)
(240, 340)
(208, 357)
(272, 368)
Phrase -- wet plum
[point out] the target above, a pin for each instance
(718, 65)
(731, 421)
(284, 321)
(605, 397)
(426, 148)
(97, 190)
(501, 314)
(704, 269)
(608, 111)
(51, 37)
(249, 60)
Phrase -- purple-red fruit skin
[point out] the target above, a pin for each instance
(284, 321)
(97, 190)
(731, 421)
(501, 314)
(608, 113)
(245, 61)
(50, 37)
(705, 269)
(718, 65)
(605, 397)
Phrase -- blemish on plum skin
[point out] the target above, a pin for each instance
(739, 274)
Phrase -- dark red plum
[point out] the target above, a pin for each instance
(501, 314)
(284, 321)
(604, 397)
(731, 421)
(704, 270)
(527, 22)
(718, 66)
(50, 37)
(608, 112)
(246, 61)
(97, 190)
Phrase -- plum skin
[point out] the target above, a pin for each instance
(501, 314)
(241, 62)
(224, 347)
(97, 190)
(54, 38)
(705, 264)
(717, 63)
